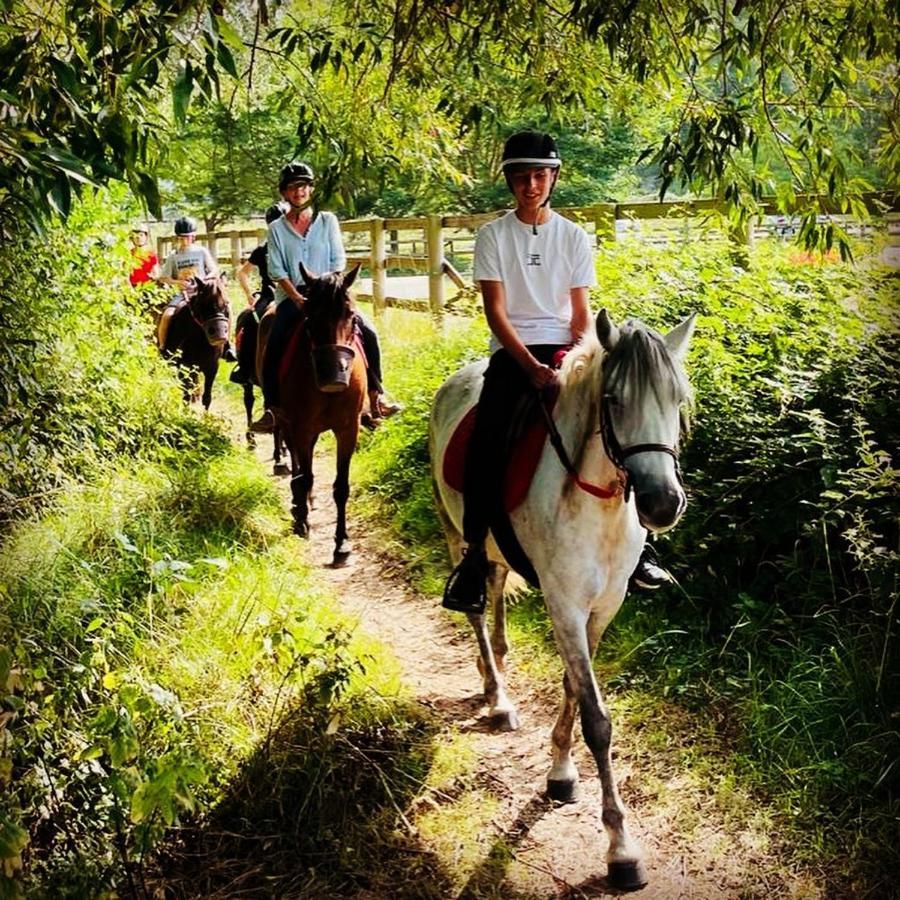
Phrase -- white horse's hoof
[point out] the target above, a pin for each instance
(504, 720)
(626, 876)
(563, 791)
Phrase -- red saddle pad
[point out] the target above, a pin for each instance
(519, 471)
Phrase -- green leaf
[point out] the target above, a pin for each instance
(226, 60)
(149, 190)
(181, 91)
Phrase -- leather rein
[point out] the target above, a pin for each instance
(614, 450)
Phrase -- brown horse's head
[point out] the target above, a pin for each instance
(329, 325)
(209, 308)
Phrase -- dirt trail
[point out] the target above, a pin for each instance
(557, 851)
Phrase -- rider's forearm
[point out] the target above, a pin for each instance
(288, 287)
(581, 311)
(498, 321)
(244, 282)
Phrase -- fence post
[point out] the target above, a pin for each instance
(434, 241)
(604, 223)
(236, 251)
(378, 265)
(210, 241)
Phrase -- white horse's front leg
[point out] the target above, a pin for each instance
(577, 639)
(563, 778)
(492, 652)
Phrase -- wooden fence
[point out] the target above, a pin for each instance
(440, 245)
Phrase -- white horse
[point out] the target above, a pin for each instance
(619, 416)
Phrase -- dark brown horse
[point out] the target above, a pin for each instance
(322, 387)
(249, 333)
(198, 334)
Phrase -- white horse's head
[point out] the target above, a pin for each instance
(644, 388)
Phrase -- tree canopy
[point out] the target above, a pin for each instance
(411, 98)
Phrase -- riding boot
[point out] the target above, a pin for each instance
(648, 575)
(379, 409)
(466, 588)
(265, 424)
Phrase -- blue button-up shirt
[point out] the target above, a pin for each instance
(321, 250)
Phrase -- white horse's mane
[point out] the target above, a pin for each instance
(581, 379)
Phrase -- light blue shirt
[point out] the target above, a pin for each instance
(321, 250)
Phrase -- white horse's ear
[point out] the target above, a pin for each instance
(350, 277)
(679, 337)
(306, 274)
(607, 332)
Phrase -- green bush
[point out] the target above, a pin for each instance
(80, 379)
(157, 628)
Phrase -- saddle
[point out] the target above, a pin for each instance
(525, 444)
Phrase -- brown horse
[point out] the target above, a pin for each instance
(198, 334)
(322, 388)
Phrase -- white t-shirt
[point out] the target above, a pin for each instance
(537, 271)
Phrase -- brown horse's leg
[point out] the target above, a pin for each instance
(346, 444)
(279, 468)
(248, 409)
(209, 377)
(301, 484)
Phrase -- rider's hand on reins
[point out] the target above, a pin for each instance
(542, 376)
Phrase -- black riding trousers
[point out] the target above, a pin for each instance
(505, 384)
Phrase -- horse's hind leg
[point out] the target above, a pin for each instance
(279, 467)
(346, 444)
(248, 409)
(502, 712)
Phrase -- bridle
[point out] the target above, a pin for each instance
(614, 450)
(217, 316)
(618, 454)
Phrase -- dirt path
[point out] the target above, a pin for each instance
(546, 851)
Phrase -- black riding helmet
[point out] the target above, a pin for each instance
(185, 225)
(294, 172)
(275, 212)
(529, 150)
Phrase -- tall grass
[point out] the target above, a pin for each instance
(164, 651)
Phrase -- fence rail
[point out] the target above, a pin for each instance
(424, 243)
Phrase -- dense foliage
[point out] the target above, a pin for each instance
(413, 98)
(156, 625)
(783, 625)
(79, 376)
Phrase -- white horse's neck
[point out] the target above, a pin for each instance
(578, 411)
(581, 545)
